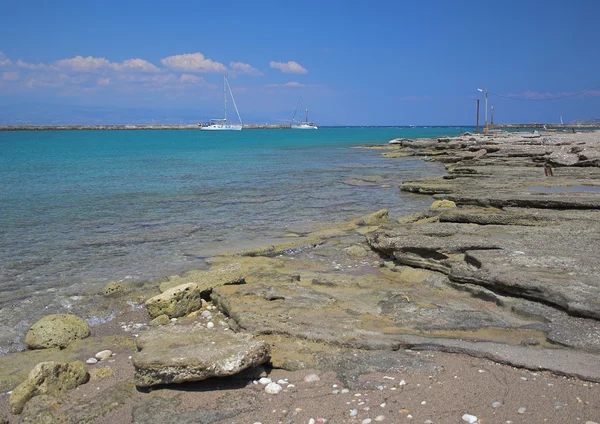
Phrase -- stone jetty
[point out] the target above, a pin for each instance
(493, 290)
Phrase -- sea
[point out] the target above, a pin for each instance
(79, 209)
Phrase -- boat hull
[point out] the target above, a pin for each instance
(222, 128)
(304, 127)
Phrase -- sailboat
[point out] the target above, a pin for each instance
(222, 124)
(302, 125)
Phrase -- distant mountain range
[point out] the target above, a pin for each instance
(586, 121)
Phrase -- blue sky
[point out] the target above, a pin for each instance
(353, 62)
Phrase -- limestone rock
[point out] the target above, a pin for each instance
(562, 157)
(56, 330)
(163, 320)
(230, 274)
(176, 302)
(356, 252)
(48, 378)
(442, 204)
(183, 353)
(112, 289)
(376, 218)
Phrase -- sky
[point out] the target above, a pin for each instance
(350, 62)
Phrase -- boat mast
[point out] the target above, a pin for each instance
(234, 105)
(307, 116)
(225, 95)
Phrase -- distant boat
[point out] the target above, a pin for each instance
(222, 124)
(302, 125)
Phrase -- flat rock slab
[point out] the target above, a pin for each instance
(180, 354)
(559, 361)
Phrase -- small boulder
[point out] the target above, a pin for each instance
(376, 218)
(357, 252)
(442, 204)
(48, 378)
(176, 302)
(182, 354)
(443, 139)
(563, 158)
(57, 330)
(103, 355)
(164, 319)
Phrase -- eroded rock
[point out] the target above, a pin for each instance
(192, 353)
(57, 330)
(48, 378)
(176, 302)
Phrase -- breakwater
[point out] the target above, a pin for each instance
(127, 127)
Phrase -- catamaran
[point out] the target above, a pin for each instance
(222, 124)
(302, 125)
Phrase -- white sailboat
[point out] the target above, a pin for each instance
(302, 125)
(222, 124)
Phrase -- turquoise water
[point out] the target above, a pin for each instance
(81, 208)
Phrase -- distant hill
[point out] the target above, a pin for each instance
(586, 121)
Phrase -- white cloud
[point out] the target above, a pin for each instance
(4, 60)
(288, 67)
(244, 68)
(103, 81)
(31, 66)
(190, 79)
(83, 64)
(193, 62)
(10, 76)
(292, 84)
(135, 65)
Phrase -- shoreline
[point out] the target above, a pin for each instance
(421, 298)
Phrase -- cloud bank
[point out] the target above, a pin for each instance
(288, 67)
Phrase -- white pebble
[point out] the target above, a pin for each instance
(522, 410)
(282, 382)
(210, 324)
(379, 418)
(273, 388)
(380, 387)
(173, 319)
(257, 422)
(353, 412)
(424, 402)
(335, 392)
(383, 405)
(591, 422)
(402, 383)
(334, 386)
(524, 378)
(311, 421)
(357, 395)
(311, 378)
(496, 404)
(427, 422)
(264, 381)
(366, 408)
(104, 354)
(388, 378)
(366, 421)
(206, 314)
(91, 361)
(291, 386)
(345, 390)
(409, 417)
(471, 419)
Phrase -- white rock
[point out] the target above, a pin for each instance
(383, 405)
(311, 421)
(335, 392)
(291, 386)
(311, 378)
(379, 418)
(471, 419)
(282, 382)
(264, 381)
(91, 361)
(496, 404)
(366, 421)
(104, 354)
(273, 388)
(206, 314)
(427, 422)
(353, 412)
(210, 325)
(345, 390)
(522, 410)
(402, 383)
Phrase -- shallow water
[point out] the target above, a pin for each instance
(82, 208)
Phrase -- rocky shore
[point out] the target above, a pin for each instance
(483, 308)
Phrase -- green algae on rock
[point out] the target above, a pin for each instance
(48, 378)
(57, 330)
(176, 302)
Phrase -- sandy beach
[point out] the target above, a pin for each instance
(484, 308)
